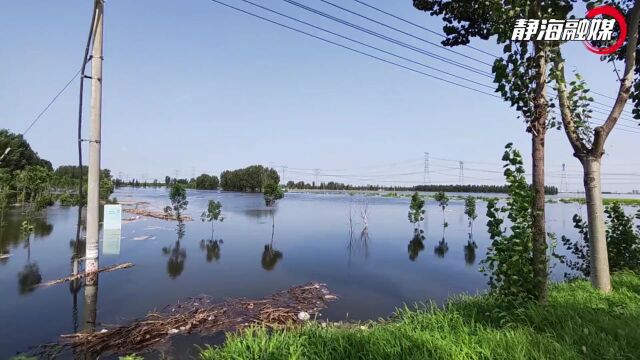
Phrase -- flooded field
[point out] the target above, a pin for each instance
(254, 252)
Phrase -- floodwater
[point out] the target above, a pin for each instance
(254, 252)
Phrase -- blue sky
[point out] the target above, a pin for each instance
(191, 86)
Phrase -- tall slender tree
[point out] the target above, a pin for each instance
(587, 143)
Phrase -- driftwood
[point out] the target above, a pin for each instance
(201, 316)
(157, 214)
(82, 274)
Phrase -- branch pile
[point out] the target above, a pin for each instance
(156, 214)
(200, 315)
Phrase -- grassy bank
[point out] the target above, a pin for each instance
(577, 323)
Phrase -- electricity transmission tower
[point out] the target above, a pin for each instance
(461, 174)
(426, 177)
(284, 170)
(564, 185)
(317, 175)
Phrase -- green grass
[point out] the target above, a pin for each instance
(577, 323)
(605, 201)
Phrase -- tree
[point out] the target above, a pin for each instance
(623, 243)
(179, 202)
(207, 182)
(272, 193)
(470, 211)
(588, 144)
(521, 76)
(5, 188)
(250, 179)
(20, 154)
(213, 214)
(509, 261)
(443, 201)
(416, 210)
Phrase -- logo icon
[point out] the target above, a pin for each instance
(589, 29)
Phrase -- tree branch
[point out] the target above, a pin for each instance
(579, 147)
(625, 85)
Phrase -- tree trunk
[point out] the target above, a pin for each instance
(539, 232)
(600, 278)
(538, 128)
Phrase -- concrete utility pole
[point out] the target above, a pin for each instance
(5, 153)
(93, 189)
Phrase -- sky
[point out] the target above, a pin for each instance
(193, 87)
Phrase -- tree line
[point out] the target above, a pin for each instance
(31, 182)
(467, 188)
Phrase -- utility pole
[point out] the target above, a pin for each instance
(93, 189)
(5, 153)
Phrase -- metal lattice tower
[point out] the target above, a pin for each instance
(317, 175)
(284, 170)
(426, 177)
(461, 174)
(564, 184)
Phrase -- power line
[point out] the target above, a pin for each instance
(444, 36)
(420, 26)
(392, 40)
(366, 45)
(37, 118)
(405, 33)
(354, 50)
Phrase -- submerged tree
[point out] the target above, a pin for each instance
(213, 214)
(179, 202)
(272, 193)
(470, 211)
(416, 211)
(443, 201)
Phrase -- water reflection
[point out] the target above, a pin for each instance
(416, 245)
(211, 248)
(261, 214)
(28, 278)
(441, 249)
(358, 243)
(270, 257)
(177, 254)
(470, 252)
(78, 248)
(90, 312)
(11, 234)
(30, 275)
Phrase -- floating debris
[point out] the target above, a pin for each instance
(200, 315)
(157, 214)
(82, 274)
